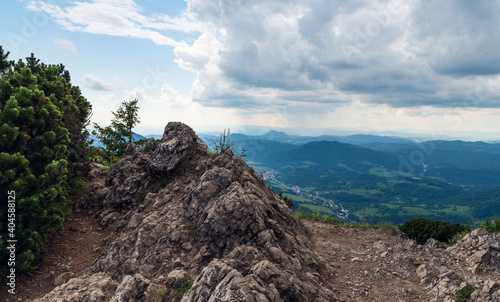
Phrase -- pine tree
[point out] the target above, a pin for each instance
(116, 136)
(127, 117)
(43, 146)
(5, 64)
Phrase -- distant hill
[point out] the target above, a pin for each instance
(330, 156)
(282, 137)
(97, 143)
(464, 163)
(155, 136)
(256, 148)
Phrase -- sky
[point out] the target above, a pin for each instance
(309, 66)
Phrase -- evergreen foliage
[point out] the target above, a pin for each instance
(5, 65)
(43, 148)
(421, 229)
(116, 136)
(488, 226)
(288, 201)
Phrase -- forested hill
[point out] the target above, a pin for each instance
(325, 156)
(384, 179)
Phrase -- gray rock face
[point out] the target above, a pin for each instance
(178, 142)
(474, 262)
(184, 217)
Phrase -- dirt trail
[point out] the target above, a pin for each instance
(366, 265)
(72, 251)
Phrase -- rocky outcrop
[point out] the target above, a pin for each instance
(183, 217)
(473, 262)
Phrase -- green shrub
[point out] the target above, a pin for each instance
(421, 229)
(44, 150)
(288, 200)
(488, 226)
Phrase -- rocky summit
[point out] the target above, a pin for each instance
(183, 217)
(189, 226)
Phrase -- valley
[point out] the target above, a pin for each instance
(379, 179)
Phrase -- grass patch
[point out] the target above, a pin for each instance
(464, 294)
(186, 161)
(414, 211)
(104, 168)
(257, 167)
(186, 287)
(369, 212)
(161, 183)
(364, 193)
(298, 198)
(306, 215)
(417, 263)
(316, 208)
(302, 213)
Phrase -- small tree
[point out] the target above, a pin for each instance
(116, 136)
(127, 117)
(225, 143)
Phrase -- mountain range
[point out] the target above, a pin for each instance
(379, 178)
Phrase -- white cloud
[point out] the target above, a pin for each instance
(116, 18)
(195, 57)
(67, 44)
(171, 96)
(96, 83)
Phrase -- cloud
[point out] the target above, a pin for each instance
(462, 37)
(254, 55)
(116, 18)
(67, 44)
(399, 53)
(96, 83)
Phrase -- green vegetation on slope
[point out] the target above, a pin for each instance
(44, 149)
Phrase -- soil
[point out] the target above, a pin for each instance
(366, 265)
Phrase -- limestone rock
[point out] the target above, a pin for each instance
(132, 288)
(182, 215)
(97, 287)
(178, 142)
(431, 242)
